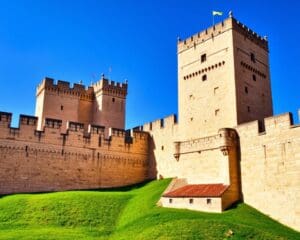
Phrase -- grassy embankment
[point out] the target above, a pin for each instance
(128, 213)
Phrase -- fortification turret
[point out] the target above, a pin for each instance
(103, 103)
(110, 102)
(62, 101)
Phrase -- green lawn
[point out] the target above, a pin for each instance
(128, 213)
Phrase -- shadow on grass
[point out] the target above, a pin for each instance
(235, 205)
(121, 189)
(113, 189)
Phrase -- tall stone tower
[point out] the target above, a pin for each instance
(223, 79)
(102, 104)
(110, 103)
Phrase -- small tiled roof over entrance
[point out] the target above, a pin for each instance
(198, 190)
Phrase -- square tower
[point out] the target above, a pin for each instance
(64, 102)
(102, 104)
(110, 103)
(223, 79)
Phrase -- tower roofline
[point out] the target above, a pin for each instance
(229, 23)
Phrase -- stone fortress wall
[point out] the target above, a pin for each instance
(267, 162)
(270, 167)
(49, 160)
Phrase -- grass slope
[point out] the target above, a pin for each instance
(128, 213)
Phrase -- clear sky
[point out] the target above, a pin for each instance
(78, 40)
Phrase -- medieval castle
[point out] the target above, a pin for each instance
(226, 145)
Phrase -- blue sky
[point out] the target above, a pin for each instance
(79, 40)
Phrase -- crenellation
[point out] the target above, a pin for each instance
(64, 88)
(28, 120)
(250, 34)
(163, 123)
(271, 124)
(249, 128)
(219, 28)
(75, 127)
(53, 123)
(95, 129)
(140, 135)
(80, 87)
(13, 132)
(204, 35)
(110, 87)
(279, 122)
(115, 132)
(169, 121)
(5, 116)
(63, 85)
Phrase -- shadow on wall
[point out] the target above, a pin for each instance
(152, 169)
(239, 172)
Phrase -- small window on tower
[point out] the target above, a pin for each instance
(252, 57)
(246, 90)
(203, 58)
(217, 111)
(61, 107)
(254, 77)
(113, 99)
(204, 77)
(248, 109)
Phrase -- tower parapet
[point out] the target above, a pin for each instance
(5, 118)
(217, 29)
(63, 87)
(111, 88)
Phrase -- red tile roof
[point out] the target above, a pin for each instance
(198, 190)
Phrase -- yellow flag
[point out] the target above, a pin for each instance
(216, 13)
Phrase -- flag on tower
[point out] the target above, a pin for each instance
(216, 13)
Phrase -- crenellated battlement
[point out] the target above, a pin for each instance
(75, 127)
(94, 129)
(53, 123)
(78, 90)
(63, 87)
(116, 132)
(75, 134)
(105, 86)
(163, 123)
(269, 126)
(28, 120)
(5, 118)
(217, 29)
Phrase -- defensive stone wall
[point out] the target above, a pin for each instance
(270, 167)
(49, 160)
(186, 159)
(163, 133)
